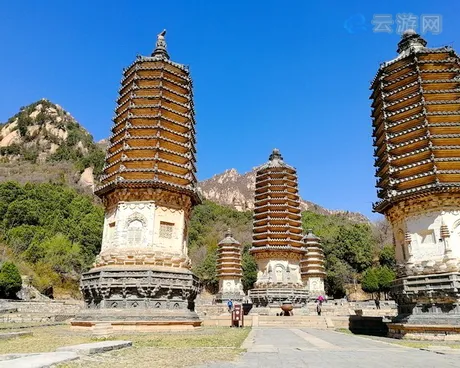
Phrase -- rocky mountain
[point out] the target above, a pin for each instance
(237, 190)
(45, 139)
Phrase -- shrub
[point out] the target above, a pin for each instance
(10, 280)
(370, 280)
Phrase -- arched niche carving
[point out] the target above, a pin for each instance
(135, 229)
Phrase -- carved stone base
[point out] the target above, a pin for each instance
(424, 332)
(225, 297)
(263, 297)
(138, 296)
(428, 307)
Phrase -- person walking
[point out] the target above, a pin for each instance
(230, 305)
(318, 308)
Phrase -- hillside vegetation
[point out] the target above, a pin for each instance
(51, 232)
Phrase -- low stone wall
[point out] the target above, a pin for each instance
(424, 332)
(210, 310)
(45, 307)
(225, 321)
(15, 311)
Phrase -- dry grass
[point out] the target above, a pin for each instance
(426, 344)
(44, 339)
(175, 349)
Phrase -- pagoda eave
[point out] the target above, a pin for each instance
(102, 191)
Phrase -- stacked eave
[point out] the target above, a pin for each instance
(153, 137)
(416, 125)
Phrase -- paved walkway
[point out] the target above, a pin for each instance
(293, 347)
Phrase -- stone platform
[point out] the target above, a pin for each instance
(428, 307)
(424, 332)
(139, 298)
(263, 297)
(138, 320)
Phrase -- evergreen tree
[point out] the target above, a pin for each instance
(10, 280)
(370, 280)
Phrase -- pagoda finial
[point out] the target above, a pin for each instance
(276, 155)
(229, 234)
(410, 40)
(160, 47)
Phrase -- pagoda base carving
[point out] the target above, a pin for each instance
(139, 297)
(428, 307)
(315, 286)
(275, 296)
(224, 297)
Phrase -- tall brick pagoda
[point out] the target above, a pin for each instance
(277, 242)
(416, 129)
(148, 187)
(229, 269)
(312, 267)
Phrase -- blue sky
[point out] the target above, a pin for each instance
(288, 74)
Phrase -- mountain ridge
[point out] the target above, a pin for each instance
(237, 190)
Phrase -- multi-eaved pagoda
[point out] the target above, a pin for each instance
(229, 269)
(416, 129)
(142, 274)
(277, 242)
(312, 267)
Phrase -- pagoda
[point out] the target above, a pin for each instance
(277, 235)
(148, 188)
(312, 267)
(416, 130)
(229, 269)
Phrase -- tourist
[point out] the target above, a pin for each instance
(230, 305)
(377, 303)
(318, 308)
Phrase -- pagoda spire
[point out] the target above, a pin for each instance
(275, 155)
(410, 40)
(160, 46)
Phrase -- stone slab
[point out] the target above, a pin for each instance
(41, 360)
(445, 350)
(96, 347)
(12, 335)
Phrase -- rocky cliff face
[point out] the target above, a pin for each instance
(237, 190)
(43, 130)
(47, 137)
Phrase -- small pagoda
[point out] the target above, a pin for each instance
(312, 267)
(416, 129)
(229, 269)
(277, 244)
(142, 275)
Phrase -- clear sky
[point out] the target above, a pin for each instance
(288, 74)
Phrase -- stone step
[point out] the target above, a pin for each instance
(12, 335)
(40, 360)
(96, 347)
(293, 321)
